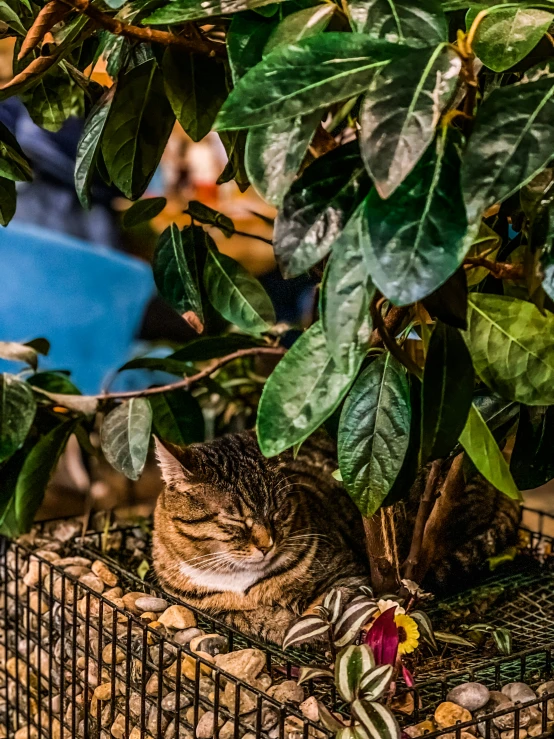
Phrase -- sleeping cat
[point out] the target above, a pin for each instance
(258, 541)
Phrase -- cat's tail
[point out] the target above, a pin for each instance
(486, 526)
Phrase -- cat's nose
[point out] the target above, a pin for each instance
(262, 538)
(265, 548)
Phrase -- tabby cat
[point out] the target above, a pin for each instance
(259, 541)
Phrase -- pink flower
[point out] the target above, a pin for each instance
(382, 637)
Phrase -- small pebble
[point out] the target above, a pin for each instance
(108, 656)
(246, 664)
(210, 643)
(93, 582)
(74, 562)
(511, 734)
(103, 692)
(287, 691)
(519, 692)
(150, 603)
(130, 599)
(113, 593)
(205, 727)
(177, 617)
(424, 727)
(148, 616)
(185, 636)
(449, 714)
(169, 703)
(471, 696)
(310, 708)
(102, 571)
(77, 570)
(545, 689)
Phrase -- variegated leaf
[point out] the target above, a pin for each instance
(305, 629)
(366, 590)
(374, 683)
(333, 604)
(354, 616)
(351, 665)
(329, 721)
(503, 640)
(449, 638)
(312, 673)
(377, 720)
(425, 627)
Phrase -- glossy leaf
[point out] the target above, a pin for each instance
(204, 214)
(143, 210)
(346, 293)
(302, 24)
(317, 208)
(177, 417)
(195, 87)
(305, 629)
(503, 640)
(89, 146)
(14, 164)
(333, 604)
(175, 271)
(7, 200)
(417, 237)
(376, 719)
(506, 35)
(448, 382)
(235, 169)
(53, 100)
(139, 122)
(400, 111)
(374, 683)
(425, 627)
(480, 446)
(491, 173)
(17, 411)
(449, 302)
(236, 294)
(53, 382)
(532, 461)
(374, 432)
(448, 638)
(290, 411)
(510, 343)
(400, 21)
(357, 613)
(312, 673)
(304, 77)
(36, 471)
(125, 436)
(179, 11)
(351, 665)
(246, 40)
(275, 152)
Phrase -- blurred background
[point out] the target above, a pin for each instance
(84, 282)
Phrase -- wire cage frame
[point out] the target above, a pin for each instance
(60, 640)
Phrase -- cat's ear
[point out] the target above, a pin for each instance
(172, 460)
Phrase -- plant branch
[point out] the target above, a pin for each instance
(194, 45)
(424, 511)
(389, 341)
(500, 270)
(202, 375)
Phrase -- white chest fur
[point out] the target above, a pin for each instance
(236, 582)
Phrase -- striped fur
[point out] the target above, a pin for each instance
(260, 541)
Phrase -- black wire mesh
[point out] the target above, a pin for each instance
(76, 663)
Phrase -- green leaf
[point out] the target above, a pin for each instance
(36, 471)
(377, 720)
(88, 148)
(13, 351)
(177, 417)
(7, 200)
(246, 39)
(14, 165)
(204, 214)
(351, 665)
(317, 208)
(195, 87)
(491, 173)
(236, 294)
(400, 111)
(448, 382)
(448, 638)
(176, 274)
(507, 34)
(503, 640)
(417, 237)
(305, 629)
(53, 382)
(374, 683)
(449, 302)
(143, 210)
(290, 411)
(179, 11)
(355, 615)
(9, 16)
(212, 347)
(532, 461)
(480, 446)
(53, 99)
(303, 77)
(510, 342)
(346, 293)
(425, 627)
(275, 152)
(302, 24)
(306, 674)
(17, 411)
(139, 122)
(374, 432)
(400, 21)
(235, 144)
(125, 436)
